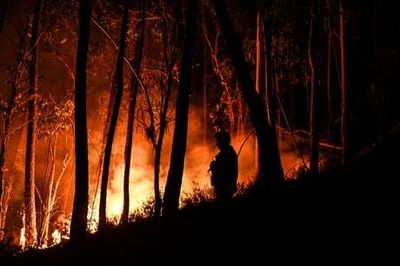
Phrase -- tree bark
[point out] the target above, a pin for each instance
(47, 208)
(258, 70)
(119, 80)
(329, 71)
(314, 132)
(139, 40)
(343, 85)
(270, 92)
(29, 195)
(170, 54)
(175, 173)
(9, 115)
(270, 167)
(80, 207)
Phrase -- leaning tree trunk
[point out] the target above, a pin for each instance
(139, 40)
(80, 208)
(119, 80)
(343, 85)
(29, 196)
(175, 172)
(270, 167)
(314, 134)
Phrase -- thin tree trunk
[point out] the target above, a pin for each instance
(9, 113)
(277, 111)
(170, 56)
(29, 197)
(205, 103)
(270, 167)
(329, 72)
(258, 52)
(119, 80)
(48, 201)
(258, 70)
(314, 134)
(175, 173)
(4, 206)
(80, 207)
(343, 85)
(169, 59)
(271, 91)
(268, 71)
(139, 40)
(240, 130)
(160, 141)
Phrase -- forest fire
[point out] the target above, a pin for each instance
(109, 110)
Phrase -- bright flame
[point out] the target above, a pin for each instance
(56, 237)
(22, 238)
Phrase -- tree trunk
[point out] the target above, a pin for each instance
(119, 80)
(271, 94)
(9, 115)
(175, 173)
(44, 232)
(343, 85)
(258, 52)
(170, 56)
(314, 134)
(52, 195)
(329, 71)
(205, 102)
(139, 40)
(160, 141)
(258, 70)
(268, 80)
(80, 207)
(29, 197)
(270, 167)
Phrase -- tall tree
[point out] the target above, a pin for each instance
(29, 195)
(270, 167)
(259, 89)
(343, 84)
(119, 82)
(268, 78)
(5, 138)
(80, 207)
(330, 34)
(314, 132)
(138, 44)
(177, 160)
(170, 54)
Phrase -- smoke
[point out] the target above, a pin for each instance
(201, 148)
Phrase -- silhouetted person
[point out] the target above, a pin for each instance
(224, 168)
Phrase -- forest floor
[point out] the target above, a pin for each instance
(340, 217)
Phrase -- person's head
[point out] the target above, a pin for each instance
(223, 139)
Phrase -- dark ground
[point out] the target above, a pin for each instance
(341, 217)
